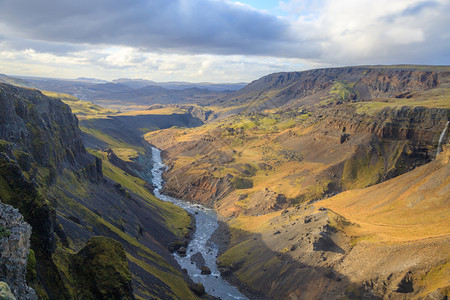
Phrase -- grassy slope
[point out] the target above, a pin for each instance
(68, 189)
(174, 218)
(408, 209)
(402, 215)
(83, 109)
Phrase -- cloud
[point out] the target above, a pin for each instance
(185, 26)
(115, 62)
(216, 40)
(372, 32)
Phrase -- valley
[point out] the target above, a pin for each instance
(327, 184)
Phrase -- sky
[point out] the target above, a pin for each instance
(216, 40)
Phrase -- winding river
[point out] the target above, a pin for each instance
(206, 224)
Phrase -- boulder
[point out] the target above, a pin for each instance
(205, 270)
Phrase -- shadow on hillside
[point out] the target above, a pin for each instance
(129, 129)
(128, 218)
(276, 275)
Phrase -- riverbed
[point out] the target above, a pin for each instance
(206, 224)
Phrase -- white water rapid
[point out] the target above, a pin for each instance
(206, 224)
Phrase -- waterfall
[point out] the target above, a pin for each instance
(441, 138)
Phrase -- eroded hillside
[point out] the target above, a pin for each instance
(387, 241)
(264, 162)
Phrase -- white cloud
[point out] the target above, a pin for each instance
(382, 31)
(215, 40)
(111, 63)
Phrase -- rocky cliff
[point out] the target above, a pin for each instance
(266, 168)
(337, 85)
(39, 138)
(45, 128)
(14, 249)
(63, 193)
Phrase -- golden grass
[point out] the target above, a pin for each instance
(160, 111)
(409, 207)
(79, 107)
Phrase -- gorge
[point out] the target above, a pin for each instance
(327, 184)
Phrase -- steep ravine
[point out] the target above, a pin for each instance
(70, 196)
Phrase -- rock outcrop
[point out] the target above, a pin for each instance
(14, 247)
(5, 292)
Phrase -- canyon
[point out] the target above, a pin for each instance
(327, 184)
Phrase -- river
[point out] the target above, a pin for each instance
(206, 224)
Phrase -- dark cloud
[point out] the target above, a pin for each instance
(317, 32)
(57, 48)
(414, 10)
(192, 26)
(419, 7)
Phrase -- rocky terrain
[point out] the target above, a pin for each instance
(14, 245)
(333, 86)
(322, 152)
(384, 242)
(328, 185)
(69, 196)
(299, 166)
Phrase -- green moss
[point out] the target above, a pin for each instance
(5, 292)
(342, 89)
(362, 170)
(4, 232)
(101, 271)
(242, 183)
(245, 124)
(287, 124)
(31, 275)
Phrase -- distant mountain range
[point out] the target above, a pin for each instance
(125, 92)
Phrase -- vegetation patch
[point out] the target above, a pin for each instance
(242, 183)
(4, 232)
(101, 271)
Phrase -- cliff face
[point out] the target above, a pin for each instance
(45, 128)
(402, 138)
(331, 150)
(347, 84)
(14, 247)
(61, 191)
(39, 138)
